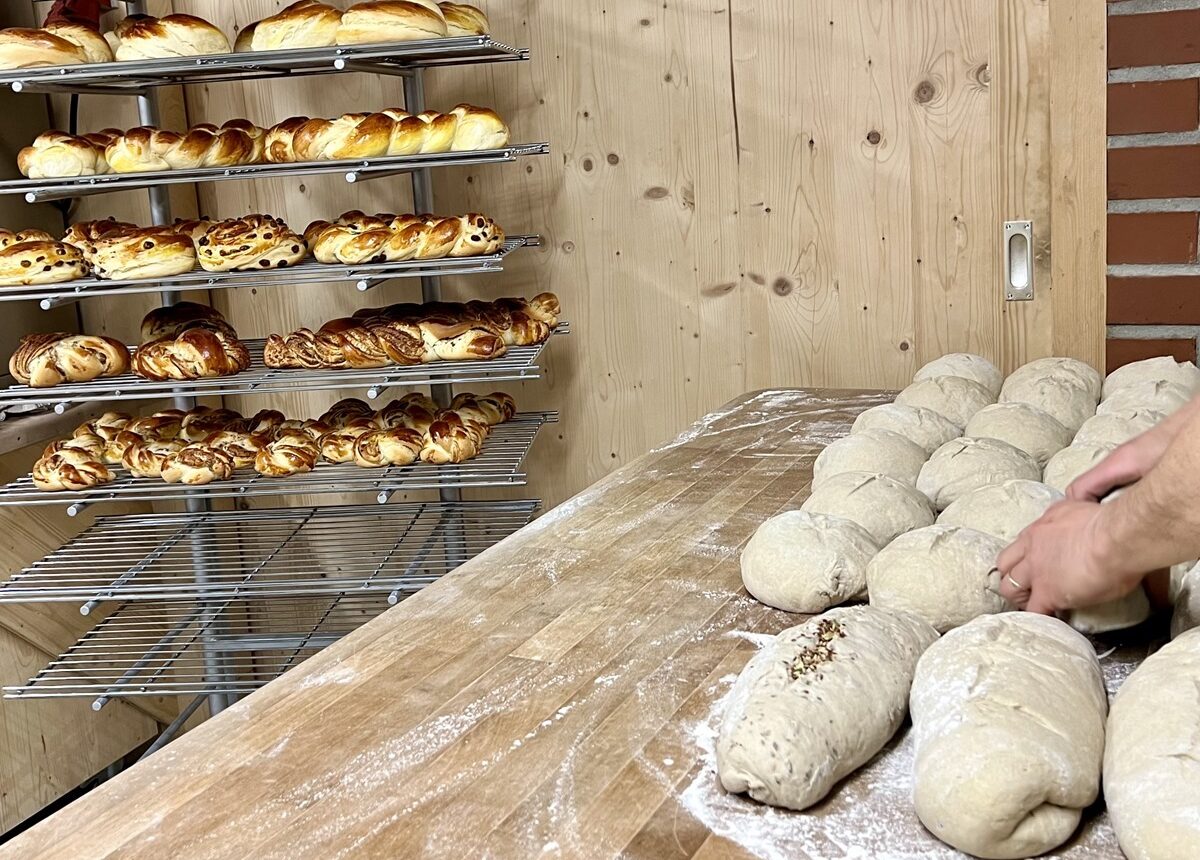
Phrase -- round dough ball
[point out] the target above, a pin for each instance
(879, 451)
(1035, 432)
(1160, 369)
(1078, 373)
(944, 574)
(952, 397)
(1116, 428)
(1001, 510)
(922, 426)
(1071, 462)
(883, 506)
(1185, 596)
(1164, 397)
(802, 562)
(1128, 611)
(1067, 402)
(963, 465)
(967, 366)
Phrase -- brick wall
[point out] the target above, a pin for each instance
(1153, 179)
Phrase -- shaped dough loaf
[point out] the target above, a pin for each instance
(1067, 402)
(1158, 396)
(953, 397)
(1026, 427)
(880, 451)
(922, 426)
(967, 366)
(1160, 369)
(1116, 428)
(1072, 370)
(963, 465)
(881, 505)
(1071, 462)
(1001, 510)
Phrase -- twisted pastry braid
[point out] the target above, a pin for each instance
(357, 238)
(344, 411)
(147, 148)
(197, 464)
(241, 448)
(70, 469)
(175, 319)
(84, 234)
(264, 422)
(289, 455)
(345, 343)
(89, 442)
(107, 426)
(202, 422)
(115, 448)
(139, 253)
(194, 229)
(160, 425)
(452, 439)
(398, 446)
(337, 446)
(34, 257)
(492, 409)
(252, 242)
(45, 360)
(277, 142)
(55, 154)
(146, 459)
(405, 413)
(197, 353)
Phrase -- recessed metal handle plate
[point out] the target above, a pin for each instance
(1018, 261)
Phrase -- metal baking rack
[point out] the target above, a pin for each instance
(519, 362)
(352, 170)
(364, 276)
(247, 594)
(498, 464)
(269, 553)
(135, 77)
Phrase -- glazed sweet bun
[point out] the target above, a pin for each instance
(304, 24)
(40, 261)
(22, 48)
(391, 21)
(153, 252)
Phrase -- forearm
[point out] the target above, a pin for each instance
(1156, 522)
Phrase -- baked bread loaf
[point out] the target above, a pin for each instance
(337, 446)
(252, 242)
(277, 142)
(398, 446)
(241, 448)
(70, 469)
(201, 422)
(463, 20)
(146, 459)
(196, 353)
(144, 37)
(115, 448)
(344, 411)
(56, 154)
(245, 39)
(140, 254)
(357, 238)
(174, 319)
(160, 425)
(491, 409)
(88, 442)
(107, 426)
(33, 257)
(452, 439)
(89, 40)
(23, 48)
(194, 229)
(146, 148)
(84, 234)
(264, 422)
(391, 21)
(304, 24)
(197, 464)
(289, 455)
(46, 360)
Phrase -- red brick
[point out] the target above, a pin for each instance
(1122, 351)
(1153, 237)
(1161, 38)
(1153, 171)
(1142, 108)
(1154, 301)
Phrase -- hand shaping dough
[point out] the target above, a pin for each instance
(817, 703)
(1071, 462)
(1186, 597)
(1078, 373)
(953, 397)
(1164, 397)
(922, 426)
(1128, 611)
(966, 365)
(802, 562)
(1008, 719)
(1035, 432)
(881, 505)
(880, 451)
(963, 465)
(1116, 428)
(1001, 510)
(943, 574)
(1151, 776)
(1161, 369)
(1065, 401)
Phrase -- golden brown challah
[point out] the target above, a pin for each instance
(35, 257)
(143, 37)
(173, 319)
(391, 21)
(304, 24)
(56, 154)
(70, 469)
(463, 20)
(89, 40)
(45, 360)
(356, 238)
(133, 253)
(252, 242)
(23, 48)
(145, 148)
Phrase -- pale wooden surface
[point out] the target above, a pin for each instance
(557, 696)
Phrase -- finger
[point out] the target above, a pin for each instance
(1012, 554)
(1015, 585)
(1040, 602)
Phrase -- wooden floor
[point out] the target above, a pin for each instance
(558, 696)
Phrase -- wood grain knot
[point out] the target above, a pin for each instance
(718, 289)
(613, 158)
(757, 278)
(568, 247)
(873, 137)
(782, 286)
(904, 346)
(924, 92)
(656, 193)
(983, 74)
(587, 165)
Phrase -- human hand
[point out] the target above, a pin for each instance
(1059, 562)
(1126, 465)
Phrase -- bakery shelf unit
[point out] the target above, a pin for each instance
(215, 600)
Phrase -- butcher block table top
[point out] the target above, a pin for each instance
(557, 696)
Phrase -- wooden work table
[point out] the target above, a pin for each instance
(556, 696)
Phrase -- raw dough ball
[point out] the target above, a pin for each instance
(1164, 397)
(1178, 573)
(943, 574)
(1035, 432)
(1117, 428)
(881, 505)
(967, 366)
(1128, 611)
(1185, 594)
(817, 703)
(1001, 510)
(802, 562)
(1161, 369)
(1078, 373)
(1151, 776)
(1008, 722)
(950, 396)
(1071, 462)
(963, 465)
(922, 426)
(1067, 402)
(880, 451)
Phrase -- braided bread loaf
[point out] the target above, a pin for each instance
(241, 448)
(132, 253)
(107, 426)
(357, 238)
(197, 464)
(304, 24)
(23, 48)
(94, 46)
(264, 422)
(201, 422)
(288, 455)
(451, 438)
(84, 234)
(55, 154)
(491, 409)
(172, 320)
(35, 257)
(337, 446)
(144, 37)
(145, 459)
(147, 148)
(45, 360)
(398, 446)
(115, 448)
(464, 20)
(70, 469)
(88, 442)
(391, 21)
(197, 353)
(345, 411)
(252, 242)
(161, 425)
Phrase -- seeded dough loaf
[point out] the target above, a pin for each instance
(922, 426)
(817, 703)
(880, 451)
(1008, 720)
(1001, 510)
(883, 506)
